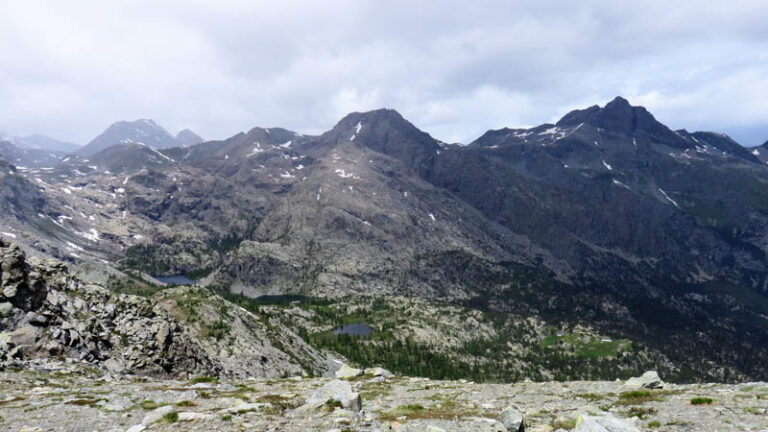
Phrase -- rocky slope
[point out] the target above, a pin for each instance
(46, 313)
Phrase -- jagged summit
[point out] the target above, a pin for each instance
(618, 116)
(387, 131)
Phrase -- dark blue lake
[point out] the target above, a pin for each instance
(175, 279)
(354, 330)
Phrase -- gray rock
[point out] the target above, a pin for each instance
(5, 309)
(649, 380)
(606, 423)
(24, 336)
(346, 371)
(338, 391)
(194, 416)
(512, 419)
(156, 415)
(244, 407)
(378, 372)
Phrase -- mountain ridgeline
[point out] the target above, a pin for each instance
(606, 219)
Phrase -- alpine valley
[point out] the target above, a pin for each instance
(597, 247)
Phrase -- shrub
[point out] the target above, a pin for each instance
(702, 401)
(171, 417)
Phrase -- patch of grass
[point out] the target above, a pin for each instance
(186, 403)
(702, 401)
(171, 417)
(640, 413)
(149, 404)
(635, 397)
(204, 379)
(330, 405)
(568, 424)
(83, 402)
(372, 394)
(586, 346)
(654, 424)
(445, 411)
(279, 402)
(13, 399)
(589, 396)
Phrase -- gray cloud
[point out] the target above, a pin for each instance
(454, 68)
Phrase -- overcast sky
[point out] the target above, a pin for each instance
(454, 68)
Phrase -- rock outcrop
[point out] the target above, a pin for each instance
(46, 312)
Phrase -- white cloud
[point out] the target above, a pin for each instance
(453, 68)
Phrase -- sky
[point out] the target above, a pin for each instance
(453, 68)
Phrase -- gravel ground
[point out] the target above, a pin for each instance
(70, 400)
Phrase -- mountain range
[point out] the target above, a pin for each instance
(606, 219)
(142, 131)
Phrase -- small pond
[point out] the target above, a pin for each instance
(354, 330)
(175, 279)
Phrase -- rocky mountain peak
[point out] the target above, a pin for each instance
(388, 132)
(187, 138)
(621, 117)
(144, 131)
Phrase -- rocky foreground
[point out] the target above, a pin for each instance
(68, 397)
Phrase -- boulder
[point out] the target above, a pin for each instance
(606, 423)
(337, 391)
(649, 380)
(243, 407)
(194, 416)
(378, 372)
(346, 372)
(156, 415)
(512, 419)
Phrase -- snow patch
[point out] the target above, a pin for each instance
(607, 166)
(256, 150)
(618, 183)
(7, 234)
(431, 216)
(668, 198)
(344, 174)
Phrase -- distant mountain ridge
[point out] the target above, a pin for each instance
(143, 131)
(41, 142)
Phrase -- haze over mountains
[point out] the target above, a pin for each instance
(606, 219)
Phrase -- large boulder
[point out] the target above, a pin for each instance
(606, 423)
(649, 380)
(335, 391)
(512, 419)
(378, 372)
(347, 372)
